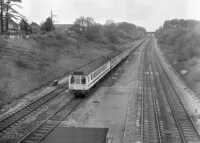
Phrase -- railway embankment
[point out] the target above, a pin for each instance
(178, 40)
(28, 64)
(188, 97)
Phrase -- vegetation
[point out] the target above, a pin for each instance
(25, 27)
(180, 42)
(180, 37)
(47, 26)
(110, 32)
(28, 64)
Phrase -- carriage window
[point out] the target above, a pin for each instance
(83, 80)
(72, 79)
(93, 76)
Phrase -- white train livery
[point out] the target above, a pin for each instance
(81, 81)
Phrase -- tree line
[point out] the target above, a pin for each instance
(85, 26)
(109, 32)
(181, 37)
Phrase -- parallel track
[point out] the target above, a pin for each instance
(150, 128)
(158, 96)
(187, 129)
(169, 130)
(21, 114)
(41, 131)
(14, 118)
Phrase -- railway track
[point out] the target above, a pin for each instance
(42, 130)
(184, 123)
(168, 128)
(150, 127)
(9, 121)
(12, 119)
(163, 116)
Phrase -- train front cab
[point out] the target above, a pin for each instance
(78, 84)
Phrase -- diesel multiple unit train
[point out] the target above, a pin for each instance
(81, 81)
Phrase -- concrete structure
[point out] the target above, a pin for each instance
(78, 135)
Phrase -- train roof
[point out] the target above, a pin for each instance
(95, 64)
(78, 73)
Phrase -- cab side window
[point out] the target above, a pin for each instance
(83, 80)
(72, 80)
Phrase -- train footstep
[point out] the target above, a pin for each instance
(55, 83)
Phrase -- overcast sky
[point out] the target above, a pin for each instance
(147, 13)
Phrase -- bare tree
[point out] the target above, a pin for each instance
(81, 24)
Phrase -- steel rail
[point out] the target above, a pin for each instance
(155, 106)
(22, 113)
(47, 126)
(148, 94)
(174, 92)
(58, 119)
(142, 99)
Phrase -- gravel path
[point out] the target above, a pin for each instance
(131, 133)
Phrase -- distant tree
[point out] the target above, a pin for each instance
(24, 26)
(180, 37)
(109, 22)
(93, 32)
(48, 25)
(141, 31)
(82, 24)
(35, 28)
(127, 27)
(89, 22)
(110, 25)
(87, 27)
(110, 31)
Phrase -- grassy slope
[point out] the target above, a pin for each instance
(181, 47)
(28, 64)
(192, 77)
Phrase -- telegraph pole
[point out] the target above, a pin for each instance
(52, 19)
